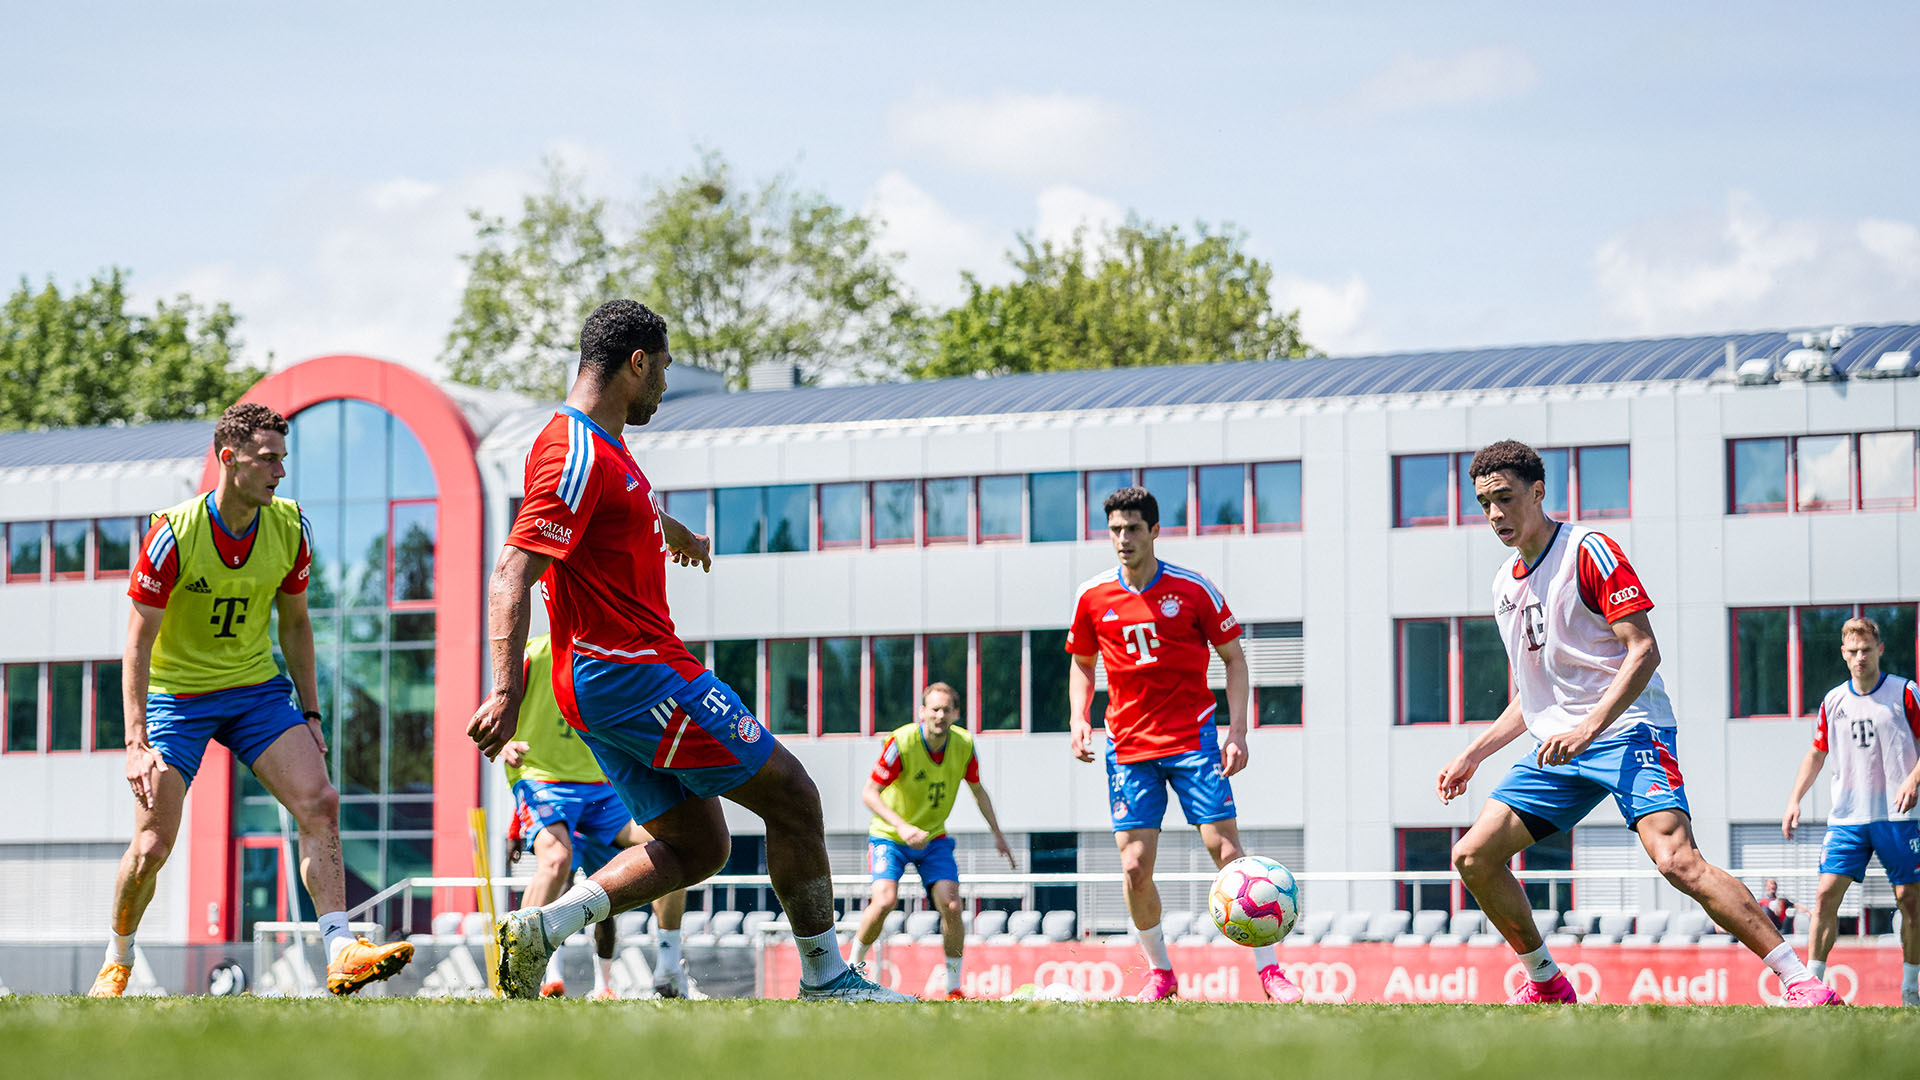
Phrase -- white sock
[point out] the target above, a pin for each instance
(669, 949)
(584, 903)
(859, 951)
(1263, 957)
(1155, 946)
(602, 972)
(820, 959)
(1786, 964)
(1819, 969)
(1539, 964)
(1910, 976)
(119, 948)
(333, 926)
(554, 973)
(953, 974)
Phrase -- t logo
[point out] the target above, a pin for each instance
(1142, 638)
(1533, 619)
(228, 611)
(1647, 758)
(1862, 733)
(937, 793)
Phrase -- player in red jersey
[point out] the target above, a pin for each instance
(670, 736)
(1151, 623)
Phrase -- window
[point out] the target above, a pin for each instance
(1275, 666)
(787, 517)
(1425, 851)
(1591, 480)
(895, 700)
(1549, 853)
(1823, 470)
(414, 534)
(753, 520)
(1451, 671)
(1053, 507)
(1821, 473)
(840, 515)
(946, 660)
(840, 686)
(26, 550)
(1758, 470)
(1278, 706)
(947, 511)
(1786, 659)
(1559, 484)
(1222, 497)
(1600, 479)
(893, 512)
(113, 541)
(1276, 496)
(787, 697)
(66, 706)
(689, 508)
(1000, 678)
(1169, 489)
(1420, 490)
(23, 707)
(1048, 660)
(70, 549)
(999, 500)
(1887, 470)
(109, 712)
(737, 663)
(1100, 484)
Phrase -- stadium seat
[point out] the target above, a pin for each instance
(1716, 939)
(987, 924)
(629, 924)
(1652, 923)
(894, 923)
(1175, 924)
(447, 924)
(921, 925)
(1560, 939)
(693, 928)
(1466, 923)
(781, 927)
(754, 922)
(1485, 938)
(1347, 928)
(1058, 925)
(1609, 928)
(1426, 925)
(475, 926)
(1546, 921)
(1307, 930)
(1578, 922)
(1019, 925)
(1387, 925)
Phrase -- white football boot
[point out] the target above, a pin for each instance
(852, 985)
(523, 953)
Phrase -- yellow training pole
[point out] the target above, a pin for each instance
(482, 869)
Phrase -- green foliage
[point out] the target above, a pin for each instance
(1140, 295)
(742, 273)
(85, 359)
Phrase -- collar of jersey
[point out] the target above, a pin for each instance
(1159, 568)
(1535, 565)
(600, 431)
(213, 511)
(1870, 693)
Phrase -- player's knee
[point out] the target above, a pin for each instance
(317, 807)
(1137, 871)
(950, 908)
(885, 895)
(554, 859)
(1468, 860)
(1681, 865)
(150, 851)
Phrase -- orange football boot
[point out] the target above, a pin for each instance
(363, 962)
(112, 980)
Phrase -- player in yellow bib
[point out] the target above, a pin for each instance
(567, 814)
(911, 791)
(212, 573)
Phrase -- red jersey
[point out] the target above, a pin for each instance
(1155, 644)
(589, 507)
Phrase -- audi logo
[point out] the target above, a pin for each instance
(1839, 976)
(1623, 595)
(1584, 977)
(1094, 978)
(1323, 982)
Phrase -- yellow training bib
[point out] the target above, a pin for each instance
(923, 793)
(555, 751)
(214, 634)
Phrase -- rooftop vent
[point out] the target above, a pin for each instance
(1893, 364)
(772, 375)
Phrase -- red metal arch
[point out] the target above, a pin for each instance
(450, 443)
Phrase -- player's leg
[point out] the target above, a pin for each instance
(1897, 845)
(1222, 838)
(1907, 898)
(552, 872)
(1483, 857)
(1825, 928)
(605, 942)
(886, 872)
(155, 828)
(670, 977)
(942, 874)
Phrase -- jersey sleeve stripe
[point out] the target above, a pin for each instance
(306, 532)
(1185, 574)
(578, 467)
(1602, 555)
(162, 543)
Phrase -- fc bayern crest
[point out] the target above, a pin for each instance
(1170, 606)
(747, 728)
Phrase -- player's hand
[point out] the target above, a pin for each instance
(143, 773)
(492, 725)
(1000, 845)
(514, 753)
(1790, 821)
(691, 549)
(319, 735)
(1233, 754)
(1452, 782)
(1082, 739)
(1564, 747)
(913, 837)
(1908, 794)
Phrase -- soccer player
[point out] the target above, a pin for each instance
(567, 814)
(1779, 909)
(911, 791)
(670, 736)
(1869, 725)
(1573, 615)
(1151, 623)
(198, 665)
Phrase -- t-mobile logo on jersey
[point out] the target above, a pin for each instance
(1142, 638)
(1533, 620)
(1862, 733)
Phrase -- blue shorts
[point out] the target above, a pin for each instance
(591, 813)
(1138, 791)
(1636, 767)
(245, 720)
(888, 859)
(1897, 843)
(663, 739)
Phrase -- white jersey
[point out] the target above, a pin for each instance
(1557, 618)
(1869, 739)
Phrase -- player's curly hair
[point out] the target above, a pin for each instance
(614, 330)
(1508, 455)
(241, 421)
(1137, 499)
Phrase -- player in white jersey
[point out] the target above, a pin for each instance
(1573, 615)
(1868, 727)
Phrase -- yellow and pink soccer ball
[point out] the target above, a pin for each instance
(1254, 901)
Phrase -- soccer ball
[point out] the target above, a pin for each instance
(1254, 901)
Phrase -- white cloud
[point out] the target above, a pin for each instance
(1414, 82)
(1026, 136)
(938, 244)
(1062, 209)
(1745, 268)
(1330, 314)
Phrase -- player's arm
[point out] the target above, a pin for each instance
(1452, 782)
(136, 670)
(1636, 670)
(1233, 752)
(1079, 698)
(508, 614)
(515, 752)
(993, 822)
(687, 547)
(914, 837)
(1810, 767)
(296, 644)
(1909, 792)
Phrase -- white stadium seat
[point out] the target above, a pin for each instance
(1058, 925)
(1577, 921)
(1387, 925)
(1308, 929)
(1174, 924)
(1546, 921)
(921, 925)
(1426, 925)
(1347, 928)
(987, 924)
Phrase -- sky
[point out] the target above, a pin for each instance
(1418, 175)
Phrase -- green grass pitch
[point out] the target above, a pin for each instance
(245, 1038)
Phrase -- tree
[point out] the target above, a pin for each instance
(85, 359)
(1139, 295)
(742, 273)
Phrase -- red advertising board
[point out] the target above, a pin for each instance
(1676, 975)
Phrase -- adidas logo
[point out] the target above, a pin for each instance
(1110, 616)
(199, 585)
(921, 775)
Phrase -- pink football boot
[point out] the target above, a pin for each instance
(1278, 986)
(1161, 985)
(1555, 991)
(1809, 993)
